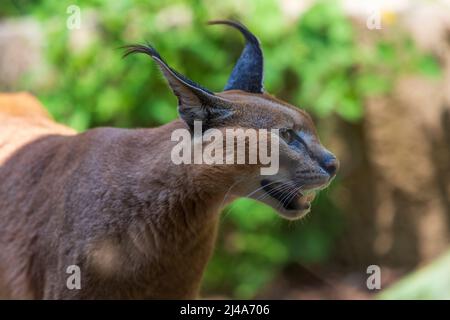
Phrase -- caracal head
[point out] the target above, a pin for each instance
(304, 165)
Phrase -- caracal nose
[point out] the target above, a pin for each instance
(331, 165)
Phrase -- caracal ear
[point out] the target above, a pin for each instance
(195, 103)
(248, 73)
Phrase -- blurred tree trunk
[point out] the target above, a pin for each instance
(395, 191)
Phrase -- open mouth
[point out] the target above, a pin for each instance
(290, 198)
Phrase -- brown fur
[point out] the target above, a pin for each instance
(112, 202)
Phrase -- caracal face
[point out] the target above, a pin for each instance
(305, 165)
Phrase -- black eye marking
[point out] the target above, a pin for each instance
(290, 136)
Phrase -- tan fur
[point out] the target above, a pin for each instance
(22, 119)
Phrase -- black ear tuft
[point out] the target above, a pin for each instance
(248, 73)
(151, 51)
(194, 101)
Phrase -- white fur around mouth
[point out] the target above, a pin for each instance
(297, 202)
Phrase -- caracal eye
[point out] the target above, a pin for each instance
(288, 135)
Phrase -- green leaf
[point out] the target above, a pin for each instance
(429, 66)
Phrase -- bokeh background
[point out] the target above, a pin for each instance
(380, 98)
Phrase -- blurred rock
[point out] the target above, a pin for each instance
(20, 50)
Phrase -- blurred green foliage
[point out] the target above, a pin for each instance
(315, 62)
(429, 282)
